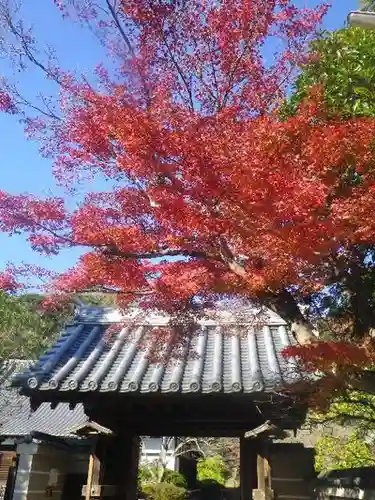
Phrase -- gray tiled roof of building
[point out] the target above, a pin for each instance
(239, 359)
(59, 422)
(17, 419)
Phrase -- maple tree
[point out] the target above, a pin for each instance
(341, 63)
(213, 197)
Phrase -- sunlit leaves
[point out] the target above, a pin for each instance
(25, 330)
(210, 194)
(342, 63)
(343, 453)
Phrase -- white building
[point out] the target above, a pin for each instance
(161, 449)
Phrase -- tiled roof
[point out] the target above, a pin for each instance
(17, 419)
(60, 421)
(84, 360)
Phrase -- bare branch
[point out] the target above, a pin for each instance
(345, 416)
(124, 36)
(25, 102)
(175, 63)
(179, 71)
(181, 447)
(19, 34)
(114, 14)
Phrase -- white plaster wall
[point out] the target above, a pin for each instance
(150, 452)
(25, 461)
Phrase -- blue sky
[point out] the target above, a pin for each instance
(22, 169)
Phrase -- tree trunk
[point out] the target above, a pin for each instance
(363, 381)
(284, 304)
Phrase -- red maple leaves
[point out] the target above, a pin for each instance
(210, 194)
(264, 194)
(331, 368)
(6, 102)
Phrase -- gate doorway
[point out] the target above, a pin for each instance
(72, 489)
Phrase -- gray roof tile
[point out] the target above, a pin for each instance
(17, 419)
(84, 360)
(59, 421)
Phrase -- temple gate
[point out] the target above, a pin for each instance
(229, 382)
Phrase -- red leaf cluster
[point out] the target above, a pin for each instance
(6, 102)
(211, 194)
(329, 356)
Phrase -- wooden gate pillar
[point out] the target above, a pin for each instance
(127, 480)
(113, 469)
(96, 488)
(263, 490)
(122, 467)
(248, 467)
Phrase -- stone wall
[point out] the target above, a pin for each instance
(42, 470)
(343, 493)
(347, 483)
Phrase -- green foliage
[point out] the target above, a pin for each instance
(174, 477)
(163, 491)
(150, 473)
(99, 299)
(147, 474)
(25, 331)
(343, 62)
(211, 468)
(367, 4)
(355, 409)
(343, 453)
(355, 413)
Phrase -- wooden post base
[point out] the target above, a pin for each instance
(99, 491)
(113, 469)
(263, 495)
(248, 468)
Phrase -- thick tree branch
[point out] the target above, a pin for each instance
(154, 254)
(363, 381)
(284, 304)
(104, 289)
(228, 257)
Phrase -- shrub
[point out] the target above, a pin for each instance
(146, 474)
(174, 477)
(211, 468)
(343, 452)
(163, 491)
